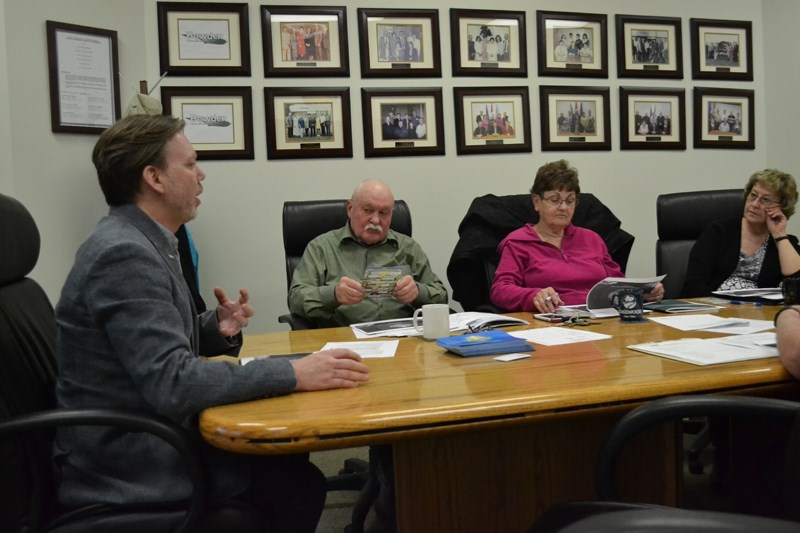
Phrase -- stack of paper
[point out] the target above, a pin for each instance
(714, 323)
(713, 351)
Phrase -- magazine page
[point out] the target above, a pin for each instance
(600, 295)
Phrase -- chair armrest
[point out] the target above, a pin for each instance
(175, 435)
(676, 408)
(295, 321)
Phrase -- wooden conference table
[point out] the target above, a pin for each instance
(481, 445)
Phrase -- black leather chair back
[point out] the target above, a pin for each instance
(27, 360)
(680, 219)
(490, 218)
(304, 220)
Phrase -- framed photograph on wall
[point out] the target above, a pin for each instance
(724, 118)
(652, 119)
(403, 122)
(488, 43)
(305, 41)
(722, 49)
(305, 122)
(79, 53)
(575, 118)
(492, 120)
(219, 120)
(203, 39)
(649, 47)
(399, 43)
(572, 44)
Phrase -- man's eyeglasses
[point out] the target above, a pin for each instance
(556, 201)
(763, 201)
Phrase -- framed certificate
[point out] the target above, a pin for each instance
(84, 88)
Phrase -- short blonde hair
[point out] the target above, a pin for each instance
(778, 182)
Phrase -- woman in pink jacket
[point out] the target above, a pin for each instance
(552, 262)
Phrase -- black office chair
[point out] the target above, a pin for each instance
(28, 415)
(491, 218)
(680, 219)
(304, 220)
(608, 514)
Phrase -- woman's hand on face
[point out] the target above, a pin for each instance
(546, 300)
(776, 221)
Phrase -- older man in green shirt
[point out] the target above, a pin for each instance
(327, 287)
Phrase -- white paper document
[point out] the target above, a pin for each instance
(555, 335)
(713, 351)
(367, 349)
(714, 323)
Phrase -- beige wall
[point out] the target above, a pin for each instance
(238, 231)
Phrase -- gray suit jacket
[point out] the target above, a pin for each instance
(128, 337)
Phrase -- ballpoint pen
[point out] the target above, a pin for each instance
(743, 302)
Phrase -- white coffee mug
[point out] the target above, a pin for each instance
(435, 321)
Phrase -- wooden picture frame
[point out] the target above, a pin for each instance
(560, 53)
(492, 120)
(649, 47)
(652, 118)
(219, 120)
(724, 118)
(81, 51)
(389, 115)
(473, 43)
(320, 122)
(203, 39)
(399, 43)
(291, 50)
(722, 49)
(575, 118)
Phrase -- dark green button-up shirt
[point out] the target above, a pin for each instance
(337, 253)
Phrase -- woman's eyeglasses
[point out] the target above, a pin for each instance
(763, 201)
(556, 201)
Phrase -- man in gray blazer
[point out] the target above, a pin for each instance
(130, 337)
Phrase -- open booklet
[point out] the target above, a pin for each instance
(404, 327)
(680, 306)
(599, 296)
(598, 301)
(770, 295)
